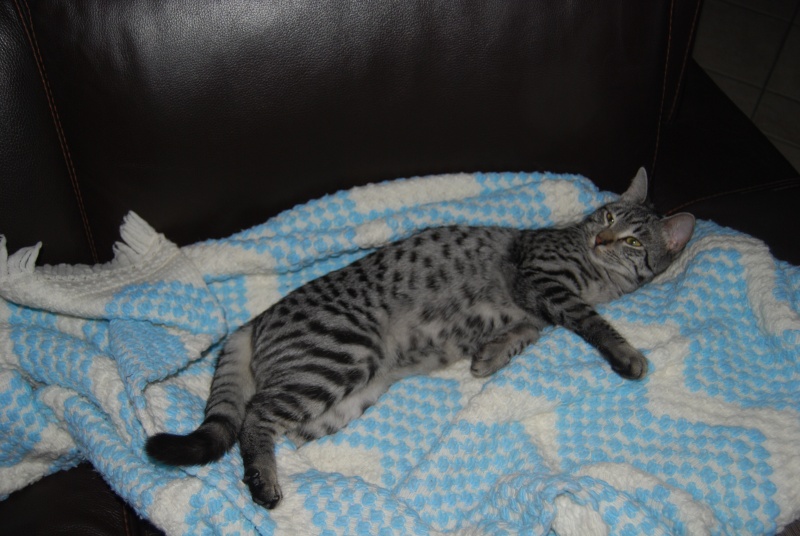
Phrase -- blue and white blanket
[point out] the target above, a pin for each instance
(93, 359)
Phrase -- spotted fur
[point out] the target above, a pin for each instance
(319, 357)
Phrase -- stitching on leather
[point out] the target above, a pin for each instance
(776, 185)
(62, 140)
(663, 87)
(685, 59)
(125, 521)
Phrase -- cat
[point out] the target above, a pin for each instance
(316, 359)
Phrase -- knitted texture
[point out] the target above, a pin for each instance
(95, 359)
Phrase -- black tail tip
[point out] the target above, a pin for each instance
(205, 445)
(169, 449)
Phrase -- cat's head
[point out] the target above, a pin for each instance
(627, 237)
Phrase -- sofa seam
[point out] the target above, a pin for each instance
(62, 140)
(775, 185)
(685, 59)
(125, 520)
(660, 122)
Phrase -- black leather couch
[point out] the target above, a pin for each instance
(208, 117)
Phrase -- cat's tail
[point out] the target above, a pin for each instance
(232, 387)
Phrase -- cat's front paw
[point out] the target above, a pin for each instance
(632, 365)
(265, 491)
(482, 369)
(488, 362)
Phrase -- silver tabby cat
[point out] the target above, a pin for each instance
(319, 357)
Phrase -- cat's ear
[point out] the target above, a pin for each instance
(637, 191)
(678, 230)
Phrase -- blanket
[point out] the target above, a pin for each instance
(93, 359)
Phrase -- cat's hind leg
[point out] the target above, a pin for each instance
(271, 412)
(498, 351)
(257, 441)
(338, 416)
(290, 397)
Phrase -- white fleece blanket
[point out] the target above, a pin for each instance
(93, 359)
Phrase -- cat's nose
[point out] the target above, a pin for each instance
(604, 237)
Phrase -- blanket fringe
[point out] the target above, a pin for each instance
(21, 262)
(138, 238)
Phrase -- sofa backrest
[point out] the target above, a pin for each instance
(207, 117)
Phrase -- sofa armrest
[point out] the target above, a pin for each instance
(715, 163)
(76, 501)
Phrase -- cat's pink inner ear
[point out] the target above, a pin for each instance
(678, 230)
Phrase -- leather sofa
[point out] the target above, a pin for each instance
(209, 117)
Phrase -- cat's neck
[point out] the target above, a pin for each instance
(569, 249)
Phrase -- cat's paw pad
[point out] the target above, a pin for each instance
(633, 367)
(267, 494)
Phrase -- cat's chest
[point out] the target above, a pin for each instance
(600, 291)
(574, 271)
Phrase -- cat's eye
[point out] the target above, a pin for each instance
(609, 218)
(632, 241)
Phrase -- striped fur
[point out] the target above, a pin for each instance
(319, 357)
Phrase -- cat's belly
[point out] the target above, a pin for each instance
(422, 340)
